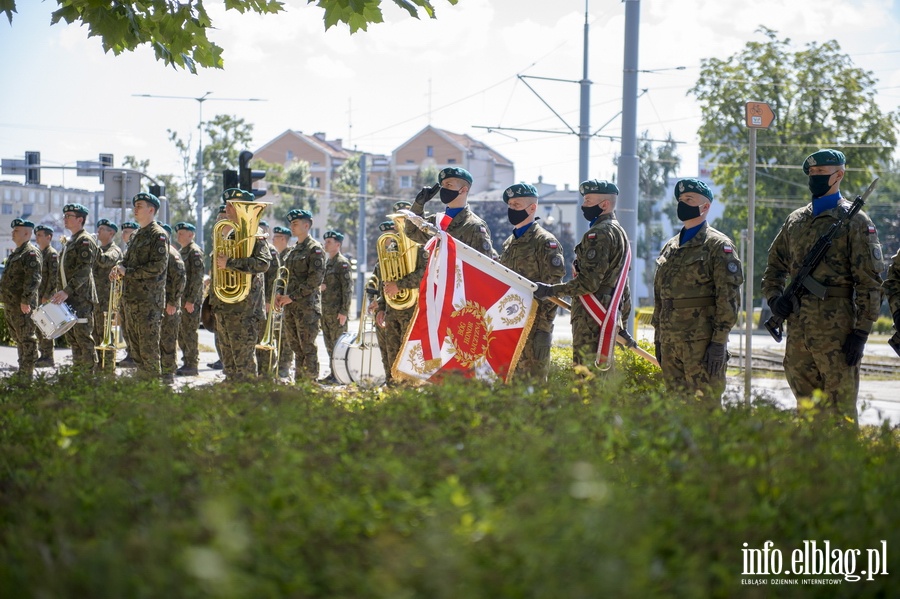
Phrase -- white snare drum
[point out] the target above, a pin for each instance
(361, 364)
(53, 320)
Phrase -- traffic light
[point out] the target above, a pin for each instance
(32, 175)
(106, 161)
(230, 179)
(157, 190)
(247, 176)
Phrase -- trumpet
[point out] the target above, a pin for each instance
(271, 341)
(112, 331)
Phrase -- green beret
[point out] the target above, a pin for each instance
(694, 185)
(167, 227)
(103, 222)
(297, 213)
(387, 225)
(264, 223)
(43, 228)
(824, 158)
(78, 209)
(598, 186)
(183, 226)
(455, 172)
(147, 197)
(281, 231)
(402, 205)
(334, 235)
(519, 190)
(130, 224)
(237, 194)
(18, 222)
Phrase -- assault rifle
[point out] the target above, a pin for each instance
(803, 283)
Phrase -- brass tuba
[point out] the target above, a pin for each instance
(231, 286)
(397, 257)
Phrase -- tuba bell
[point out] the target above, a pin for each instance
(397, 257)
(231, 286)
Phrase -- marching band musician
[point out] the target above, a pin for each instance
(49, 281)
(171, 320)
(534, 253)
(336, 291)
(192, 298)
(144, 284)
(238, 324)
(108, 256)
(77, 287)
(271, 274)
(211, 319)
(306, 267)
(280, 239)
(19, 287)
(128, 228)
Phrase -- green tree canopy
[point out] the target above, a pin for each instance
(820, 100)
(177, 30)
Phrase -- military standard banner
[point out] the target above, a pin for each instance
(473, 317)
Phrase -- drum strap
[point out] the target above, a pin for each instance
(62, 266)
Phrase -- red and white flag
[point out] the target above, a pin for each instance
(473, 317)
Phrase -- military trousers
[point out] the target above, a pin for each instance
(237, 333)
(585, 335)
(188, 339)
(382, 349)
(684, 371)
(396, 323)
(81, 337)
(21, 328)
(302, 323)
(534, 361)
(168, 342)
(331, 331)
(46, 347)
(143, 322)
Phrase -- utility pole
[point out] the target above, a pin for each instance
(199, 197)
(584, 130)
(361, 258)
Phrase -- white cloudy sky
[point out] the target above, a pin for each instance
(65, 98)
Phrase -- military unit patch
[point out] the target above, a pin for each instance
(557, 260)
(591, 254)
(732, 267)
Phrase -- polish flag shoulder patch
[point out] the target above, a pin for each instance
(727, 249)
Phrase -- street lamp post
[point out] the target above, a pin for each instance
(199, 193)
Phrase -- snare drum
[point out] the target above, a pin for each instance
(53, 320)
(357, 363)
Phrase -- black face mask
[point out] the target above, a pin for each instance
(448, 195)
(687, 212)
(818, 185)
(591, 212)
(516, 216)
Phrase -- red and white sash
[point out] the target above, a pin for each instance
(606, 317)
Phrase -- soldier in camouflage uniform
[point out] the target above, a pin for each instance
(128, 228)
(171, 320)
(281, 237)
(76, 285)
(306, 265)
(395, 321)
(238, 324)
(262, 356)
(458, 220)
(19, 287)
(49, 281)
(600, 258)
(696, 299)
(108, 256)
(826, 337)
(892, 293)
(191, 299)
(534, 253)
(144, 286)
(336, 289)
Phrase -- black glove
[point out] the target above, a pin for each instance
(575, 265)
(629, 340)
(782, 306)
(854, 346)
(715, 357)
(543, 290)
(658, 351)
(427, 193)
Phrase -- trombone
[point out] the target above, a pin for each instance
(271, 341)
(112, 331)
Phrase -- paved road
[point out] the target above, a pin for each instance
(879, 400)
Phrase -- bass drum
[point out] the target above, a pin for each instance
(360, 364)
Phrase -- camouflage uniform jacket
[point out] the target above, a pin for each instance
(255, 265)
(306, 264)
(145, 265)
(49, 272)
(854, 260)
(192, 258)
(107, 256)
(537, 256)
(409, 281)
(175, 278)
(599, 257)
(338, 286)
(892, 285)
(705, 268)
(76, 268)
(22, 278)
(465, 226)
